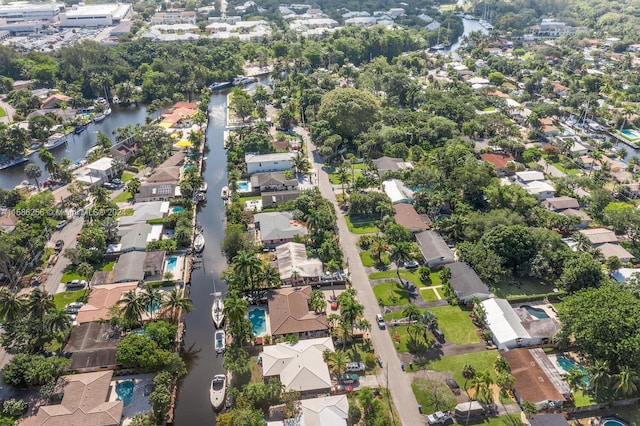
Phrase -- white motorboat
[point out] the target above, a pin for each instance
(204, 187)
(99, 117)
(55, 141)
(217, 391)
(198, 243)
(107, 111)
(217, 310)
(219, 341)
(224, 194)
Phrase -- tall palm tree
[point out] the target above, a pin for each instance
(49, 161)
(468, 373)
(11, 305)
(300, 163)
(377, 248)
(343, 177)
(336, 361)
(235, 308)
(58, 321)
(582, 241)
(132, 306)
(482, 383)
(575, 378)
(40, 304)
(412, 312)
(175, 302)
(152, 298)
(384, 208)
(400, 253)
(626, 381)
(599, 375)
(247, 266)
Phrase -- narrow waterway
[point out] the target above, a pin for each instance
(77, 146)
(193, 406)
(469, 27)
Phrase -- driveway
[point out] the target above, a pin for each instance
(9, 111)
(391, 375)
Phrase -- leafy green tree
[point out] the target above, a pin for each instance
(33, 370)
(581, 271)
(142, 419)
(14, 407)
(317, 301)
(160, 398)
(235, 240)
(133, 186)
(529, 408)
(161, 332)
(241, 103)
(349, 111)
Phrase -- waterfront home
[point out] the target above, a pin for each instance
(300, 366)
(101, 299)
(139, 266)
(92, 347)
(274, 199)
(290, 313)
(434, 249)
(55, 101)
(275, 228)
(162, 185)
(144, 212)
(518, 327)
(499, 161)
(272, 181)
(397, 192)
(98, 172)
(125, 149)
(466, 284)
(80, 399)
(406, 215)
(325, 410)
(136, 237)
(295, 266)
(278, 162)
(537, 379)
(180, 115)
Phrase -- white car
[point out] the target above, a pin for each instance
(380, 321)
(440, 418)
(354, 367)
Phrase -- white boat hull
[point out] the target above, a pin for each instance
(217, 310)
(217, 391)
(198, 243)
(219, 341)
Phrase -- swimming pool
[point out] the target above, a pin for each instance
(612, 421)
(153, 307)
(243, 186)
(140, 331)
(177, 209)
(630, 133)
(172, 262)
(568, 132)
(567, 364)
(258, 321)
(124, 390)
(535, 312)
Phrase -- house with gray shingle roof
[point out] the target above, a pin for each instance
(275, 228)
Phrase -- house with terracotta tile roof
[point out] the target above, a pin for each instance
(498, 160)
(55, 100)
(83, 400)
(101, 298)
(407, 216)
(290, 313)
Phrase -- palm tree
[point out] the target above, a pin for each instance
(336, 361)
(40, 304)
(384, 208)
(132, 306)
(300, 163)
(599, 375)
(49, 161)
(468, 372)
(429, 319)
(343, 177)
(152, 298)
(235, 308)
(247, 266)
(58, 321)
(33, 172)
(575, 378)
(412, 312)
(415, 329)
(482, 383)
(175, 302)
(400, 252)
(100, 195)
(377, 248)
(626, 381)
(582, 241)
(11, 306)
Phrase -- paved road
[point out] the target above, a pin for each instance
(9, 111)
(391, 375)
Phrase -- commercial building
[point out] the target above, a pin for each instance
(21, 12)
(95, 15)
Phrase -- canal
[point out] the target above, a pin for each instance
(77, 146)
(193, 406)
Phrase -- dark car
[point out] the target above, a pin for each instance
(109, 186)
(59, 245)
(438, 334)
(347, 379)
(453, 385)
(116, 182)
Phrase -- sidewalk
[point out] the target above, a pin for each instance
(391, 374)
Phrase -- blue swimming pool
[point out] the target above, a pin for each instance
(172, 262)
(535, 312)
(612, 421)
(243, 186)
(140, 331)
(177, 209)
(630, 133)
(153, 307)
(568, 132)
(258, 321)
(567, 364)
(124, 390)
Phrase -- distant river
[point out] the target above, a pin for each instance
(76, 148)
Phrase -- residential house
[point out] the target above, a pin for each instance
(535, 184)
(516, 327)
(300, 366)
(406, 215)
(466, 284)
(277, 162)
(548, 128)
(180, 115)
(275, 228)
(537, 379)
(434, 249)
(325, 410)
(271, 182)
(499, 161)
(397, 192)
(567, 206)
(80, 399)
(92, 347)
(529, 176)
(55, 101)
(290, 313)
(549, 420)
(144, 212)
(560, 90)
(129, 267)
(125, 149)
(606, 241)
(101, 299)
(98, 172)
(274, 199)
(295, 266)
(8, 220)
(136, 237)
(390, 164)
(162, 185)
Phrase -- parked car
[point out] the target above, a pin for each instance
(354, 367)
(73, 308)
(76, 284)
(347, 379)
(61, 225)
(116, 182)
(440, 418)
(109, 186)
(380, 321)
(453, 385)
(411, 264)
(59, 245)
(339, 389)
(438, 334)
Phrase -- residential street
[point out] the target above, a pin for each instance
(391, 375)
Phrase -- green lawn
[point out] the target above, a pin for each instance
(526, 287)
(407, 274)
(124, 196)
(384, 397)
(433, 395)
(453, 364)
(582, 399)
(3, 113)
(361, 225)
(566, 170)
(391, 294)
(400, 336)
(106, 266)
(126, 176)
(70, 272)
(64, 298)
(456, 325)
(367, 261)
(429, 295)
